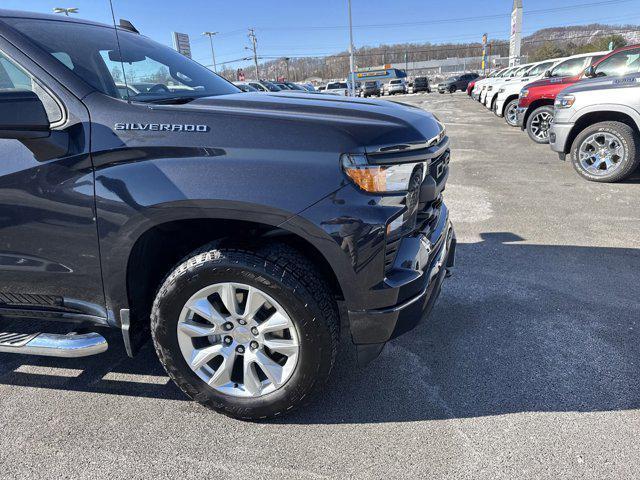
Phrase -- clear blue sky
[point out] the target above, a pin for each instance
(303, 27)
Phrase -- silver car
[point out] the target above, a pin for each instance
(597, 123)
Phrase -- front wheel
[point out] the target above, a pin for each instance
(511, 113)
(606, 152)
(452, 89)
(250, 334)
(539, 122)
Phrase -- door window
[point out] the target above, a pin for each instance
(621, 63)
(14, 78)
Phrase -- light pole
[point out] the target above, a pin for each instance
(213, 55)
(66, 11)
(352, 74)
(286, 61)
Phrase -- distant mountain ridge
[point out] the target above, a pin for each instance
(583, 34)
(337, 66)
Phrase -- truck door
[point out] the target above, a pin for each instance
(49, 257)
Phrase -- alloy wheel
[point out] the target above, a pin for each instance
(540, 124)
(601, 153)
(238, 340)
(511, 115)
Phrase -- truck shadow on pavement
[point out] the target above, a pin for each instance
(518, 328)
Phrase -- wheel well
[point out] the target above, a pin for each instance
(163, 246)
(506, 102)
(534, 105)
(494, 99)
(597, 117)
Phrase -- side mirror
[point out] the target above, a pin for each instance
(547, 74)
(590, 71)
(22, 116)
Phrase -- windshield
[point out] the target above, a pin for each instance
(152, 71)
(452, 79)
(294, 86)
(569, 68)
(369, 84)
(520, 71)
(621, 63)
(271, 87)
(395, 82)
(539, 69)
(334, 86)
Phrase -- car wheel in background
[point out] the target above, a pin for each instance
(606, 152)
(539, 122)
(248, 333)
(452, 89)
(511, 113)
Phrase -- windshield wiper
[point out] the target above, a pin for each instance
(170, 100)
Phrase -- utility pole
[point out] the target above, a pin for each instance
(213, 55)
(254, 48)
(352, 74)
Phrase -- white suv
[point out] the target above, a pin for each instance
(506, 100)
(397, 85)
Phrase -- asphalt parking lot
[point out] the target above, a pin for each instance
(528, 368)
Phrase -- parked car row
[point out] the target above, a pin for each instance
(586, 106)
(267, 86)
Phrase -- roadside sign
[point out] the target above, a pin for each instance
(181, 43)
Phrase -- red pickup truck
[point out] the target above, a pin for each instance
(535, 105)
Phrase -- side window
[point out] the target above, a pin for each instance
(14, 78)
(622, 63)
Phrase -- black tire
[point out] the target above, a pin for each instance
(285, 275)
(532, 124)
(630, 141)
(452, 89)
(505, 113)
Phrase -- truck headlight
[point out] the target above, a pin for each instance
(524, 93)
(564, 101)
(382, 178)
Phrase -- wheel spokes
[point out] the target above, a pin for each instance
(201, 356)
(226, 340)
(255, 301)
(275, 323)
(228, 295)
(196, 329)
(252, 383)
(283, 346)
(222, 375)
(271, 369)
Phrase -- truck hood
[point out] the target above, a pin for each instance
(371, 123)
(601, 83)
(553, 81)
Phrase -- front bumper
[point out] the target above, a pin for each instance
(520, 113)
(558, 136)
(424, 258)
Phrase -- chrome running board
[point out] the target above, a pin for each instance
(53, 345)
